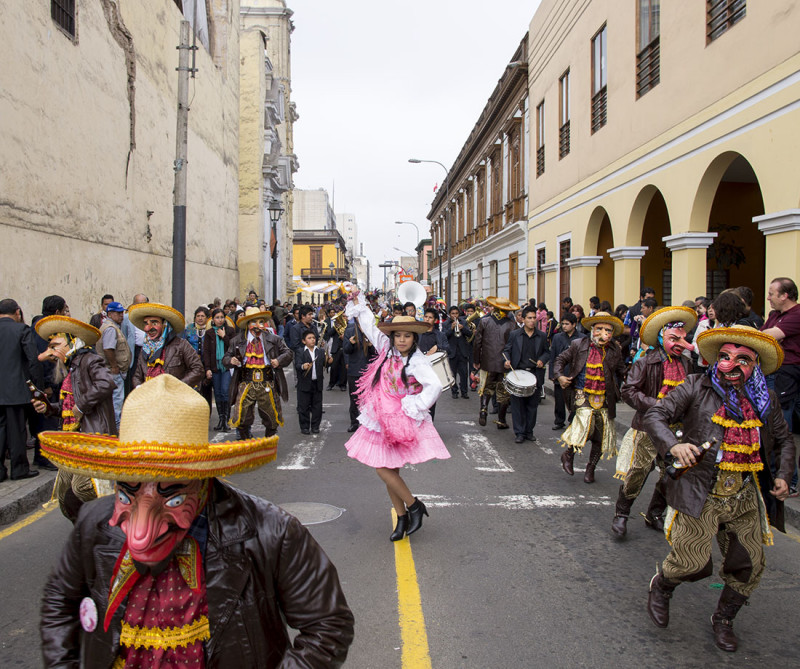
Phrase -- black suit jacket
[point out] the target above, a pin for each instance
(18, 362)
(513, 349)
(304, 380)
(457, 345)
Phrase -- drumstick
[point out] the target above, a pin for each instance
(508, 361)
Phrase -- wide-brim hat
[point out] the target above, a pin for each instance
(770, 353)
(163, 435)
(404, 324)
(604, 317)
(502, 303)
(49, 325)
(653, 324)
(138, 312)
(251, 313)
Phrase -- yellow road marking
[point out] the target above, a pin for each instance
(27, 521)
(793, 536)
(414, 638)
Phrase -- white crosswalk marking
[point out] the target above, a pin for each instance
(479, 450)
(519, 502)
(304, 453)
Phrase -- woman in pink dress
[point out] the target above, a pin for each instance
(395, 393)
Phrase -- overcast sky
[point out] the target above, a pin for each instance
(377, 82)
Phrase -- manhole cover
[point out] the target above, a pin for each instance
(312, 513)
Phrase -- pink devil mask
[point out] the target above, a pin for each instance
(675, 340)
(156, 516)
(735, 363)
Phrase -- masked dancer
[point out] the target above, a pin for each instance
(592, 391)
(85, 403)
(179, 569)
(738, 421)
(659, 371)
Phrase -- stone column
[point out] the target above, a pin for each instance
(627, 271)
(782, 230)
(688, 263)
(582, 278)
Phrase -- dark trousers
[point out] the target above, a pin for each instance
(337, 371)
(13, 438)
(309, 408)
(460, 367)
(351, 386)
(561, 405)
(523, 413)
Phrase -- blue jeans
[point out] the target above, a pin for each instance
(221, 382)
(118, 397)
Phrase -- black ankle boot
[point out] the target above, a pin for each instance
(415, 511)
(661, 590)
(400, 528)
(221, 415)
(502, 410)
(483, 411)
(226, 414)
(619, 526)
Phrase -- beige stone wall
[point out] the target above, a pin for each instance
(76, 193)
(735, 97)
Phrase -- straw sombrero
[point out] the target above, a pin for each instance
(250, 314)
(603, 317)
(155, 443)
(49, 325)
(502, 303)
(138, 312)
(653, 324)
(770, 353)
(404, 324)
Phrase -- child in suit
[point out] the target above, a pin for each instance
(308, 365)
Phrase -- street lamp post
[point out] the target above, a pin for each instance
(447, 224)
(409, 223)
(275, 210)
(440, 252)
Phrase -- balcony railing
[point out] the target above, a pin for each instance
(563, 140)
(337, 274)
(648, 67)
(540, 161)
(599, 109)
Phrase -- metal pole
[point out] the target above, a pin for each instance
(449, 240)
(179, 196)
(275, 263)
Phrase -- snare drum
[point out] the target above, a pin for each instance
(441, 365)
(520, 383)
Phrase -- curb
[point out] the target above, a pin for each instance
(20, 497)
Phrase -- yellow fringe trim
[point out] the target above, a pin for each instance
(594, 392)
(747, 450)
(595, 378)
(253, 355)
(69, 427)
(594, 365)
(674, 384)
(157, 362)
(668, 530)
(274, 408)
(68, 413)
(741, 466)
(119, 663)
(727, 422)
(250, 366)
(133, 636)
(235, 423)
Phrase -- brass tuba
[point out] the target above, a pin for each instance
(340, 323)
(414, 292)
(472, 322)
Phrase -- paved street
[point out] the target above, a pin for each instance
(516, 566)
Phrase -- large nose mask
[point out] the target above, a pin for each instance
(735, 364)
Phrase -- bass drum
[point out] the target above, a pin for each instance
(520, 383)
(441, 365)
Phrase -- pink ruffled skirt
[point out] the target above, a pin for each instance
(372, 449)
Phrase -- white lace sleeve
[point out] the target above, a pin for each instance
(366, 319)
(417, 406)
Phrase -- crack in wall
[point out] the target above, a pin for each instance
(123, 37)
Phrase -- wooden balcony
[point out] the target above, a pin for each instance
(324, 274)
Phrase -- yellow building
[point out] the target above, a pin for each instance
(88, 102)
(666, 140)
(320, 259)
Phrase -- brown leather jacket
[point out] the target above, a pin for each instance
(180, 360)
(576, 356)
(274, 347)
(490, 339)
(261, 566)
(93, 389)
(645, 378)
(694, 402)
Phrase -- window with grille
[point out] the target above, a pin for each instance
(599, 80)
(722, 15)
(564, 254)
(648, 56)
(540, 139)
(63, 13)
(540, 288)
(563, 115)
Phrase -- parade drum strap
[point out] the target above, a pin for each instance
(520, 383)
(441, 365)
